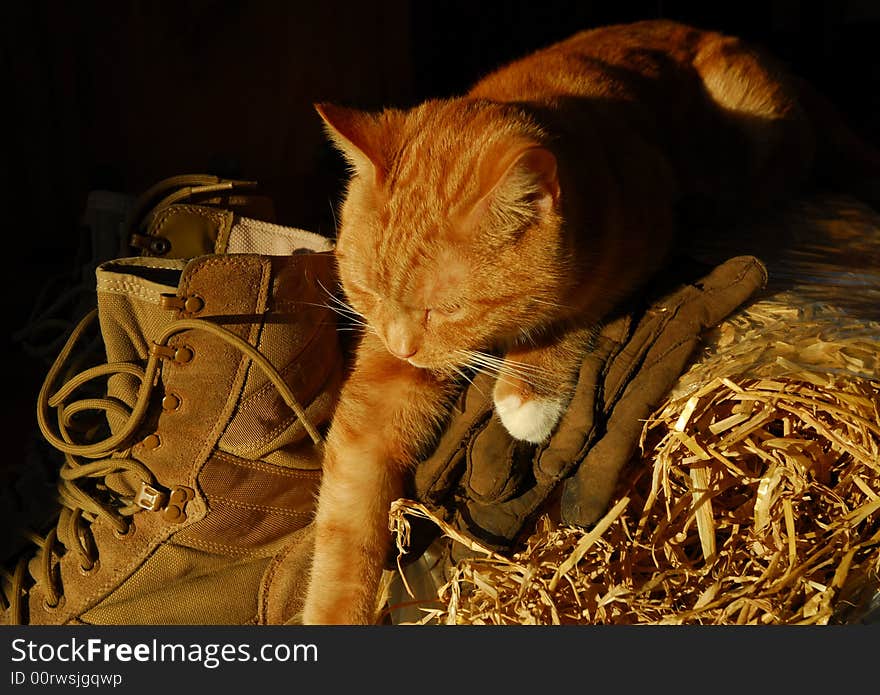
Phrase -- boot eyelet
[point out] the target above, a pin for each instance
(129, 531)
(160, 245)
(183, 354)
(171, 402)
(193, 304)
(151, 441)
(51, 608)
(86, 571)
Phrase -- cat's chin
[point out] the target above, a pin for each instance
(423, 364)
(418, 364)
(444, 366)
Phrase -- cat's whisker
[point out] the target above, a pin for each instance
(336, 325)
(463, 374)
(349, 314)
(334, 297)
(345, 311)
(490, 366)
(494, 359)
(557, 305)
(498, 369)
(514, 368)
(345, 307)
(527, 336)
(323, 306)
(351, 318)
(340, 303)
(495, 375)
(321, 285)
(525, 367)
(333, 217)
(353, 322)
(460, 372)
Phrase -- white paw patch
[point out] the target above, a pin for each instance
(532, 420)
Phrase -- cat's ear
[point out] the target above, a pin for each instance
(540, 166)
(523, 171)
(360, 136)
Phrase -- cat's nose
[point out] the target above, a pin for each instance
(403, 350)
(403, 353)
(400, 342)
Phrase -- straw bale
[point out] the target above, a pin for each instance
(754, 498)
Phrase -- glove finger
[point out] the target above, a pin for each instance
(496, 462)
(726, 288)
(496, 525)
(435, 476)
(587, 493)
(576, 429)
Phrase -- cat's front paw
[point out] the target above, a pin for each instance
(528, 419)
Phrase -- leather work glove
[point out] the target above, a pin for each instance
(489, 485)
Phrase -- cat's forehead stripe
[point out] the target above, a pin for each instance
(405, 267)
(438, 160)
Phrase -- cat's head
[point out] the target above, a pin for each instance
(449, 235)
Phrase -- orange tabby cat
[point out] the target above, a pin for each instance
(495, 231)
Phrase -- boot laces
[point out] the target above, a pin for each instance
(81, 491)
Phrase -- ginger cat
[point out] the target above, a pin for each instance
(496, 230)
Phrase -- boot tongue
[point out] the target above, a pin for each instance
(131, 315)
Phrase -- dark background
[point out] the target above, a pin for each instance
(118, 95)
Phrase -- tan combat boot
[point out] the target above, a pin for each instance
(193, 504)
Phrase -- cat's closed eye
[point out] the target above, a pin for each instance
(445, 311)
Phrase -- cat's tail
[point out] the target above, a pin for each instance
(844, 161)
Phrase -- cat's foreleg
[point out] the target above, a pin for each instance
(387, 415)
(536, 383)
